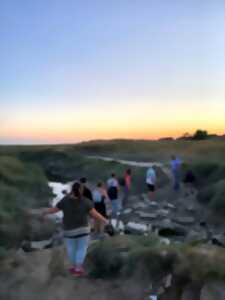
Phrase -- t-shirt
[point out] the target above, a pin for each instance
(97, 196)
(127, 179)
(112, 182)
(150, 176)
(175, 164)
(87, 193)
(75, 215)
(112, 191)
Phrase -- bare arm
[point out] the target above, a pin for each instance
(94, 214)
(50, 210)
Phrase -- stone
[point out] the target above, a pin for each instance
(40, 245)
(168, 281)
(145, 215)
(219, 240)
(190, 208)
(184, 220)
(196, 236)
(168, 228)
(163, 212)
(135, 228)
(213, 291)
(165, 241)
(127, 211)
(139, 205)
(153, 203)
(170, 205)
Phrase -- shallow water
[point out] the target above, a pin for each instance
(57, 189)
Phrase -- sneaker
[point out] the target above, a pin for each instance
(79, 272)
(72, 270)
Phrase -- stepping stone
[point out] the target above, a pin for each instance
(184, 220)
(139, 205)
(145, 215)
(171, 206)
(127, 211)
(135, 228)
(163, 212)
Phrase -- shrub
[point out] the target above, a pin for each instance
(218, 199)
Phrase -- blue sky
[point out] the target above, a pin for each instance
(77, 70)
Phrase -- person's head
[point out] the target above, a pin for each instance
(76, 190)
(83, 180)
(173, 157)
(128, 171)
(99, 184)
(113, 175)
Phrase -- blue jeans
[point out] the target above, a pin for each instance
(77, 249)
(116, 207)
(176, 178)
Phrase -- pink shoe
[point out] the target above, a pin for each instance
(72, 270)
(79, 272)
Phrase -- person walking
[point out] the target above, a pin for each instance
(99, 198)
(151, 181)
(175, 164)
(76, 209)
(113, 194)
(126, 186)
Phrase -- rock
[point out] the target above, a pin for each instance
(127, 211)
(213, 291)
(163, 212)
(40, 245)
(184, 220)
(219, 240)
(139, 205)
(145, 215)
(117, 225)
(168, 228)
(165, 241)
(168, 281)
(135, 228)
(153, 203)
(196, 236)
(190, 208)
(170, 205)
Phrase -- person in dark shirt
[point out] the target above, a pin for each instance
(86, 191)
(76, 210)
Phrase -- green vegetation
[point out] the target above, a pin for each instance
(128, 255)
(22, 186)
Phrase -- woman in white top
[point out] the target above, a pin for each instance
(150, 181)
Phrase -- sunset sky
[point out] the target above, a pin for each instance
(77, 70)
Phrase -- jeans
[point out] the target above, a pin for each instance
(116, 207)
(77, 249)
(176, 178)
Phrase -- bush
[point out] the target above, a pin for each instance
(23, 185)
(200, 135)
(218, 199)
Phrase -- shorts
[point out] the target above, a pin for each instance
(100, 207)
(151, 187)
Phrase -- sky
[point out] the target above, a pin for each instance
(77, 70)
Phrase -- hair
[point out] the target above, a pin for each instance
(128, 171)
(99, 184)
(76, 190)
(113, 175)
(83, 180)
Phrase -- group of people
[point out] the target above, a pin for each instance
(82, 203)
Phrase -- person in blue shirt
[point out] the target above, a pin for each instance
(176, 170)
